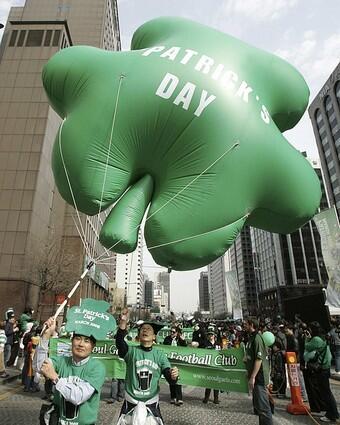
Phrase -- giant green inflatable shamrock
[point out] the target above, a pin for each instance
(189, 121)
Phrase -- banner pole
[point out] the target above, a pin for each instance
(73, 290)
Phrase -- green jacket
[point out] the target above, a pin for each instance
(317, 346)
(23, 320)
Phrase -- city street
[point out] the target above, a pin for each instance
(18, 407)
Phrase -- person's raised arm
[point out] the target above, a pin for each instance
(121, 333)
(41, 352)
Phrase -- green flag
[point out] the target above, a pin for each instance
(329, 229)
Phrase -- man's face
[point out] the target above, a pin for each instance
(288, 332)
(12, 320)
(146, 333)
(82, 347)
(211, 337)
(248, 327)
(173, 333)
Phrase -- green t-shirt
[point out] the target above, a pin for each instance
(318, 347)
(143, 371)
(256, 350)
(93, 372)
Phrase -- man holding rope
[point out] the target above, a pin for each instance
(78, 379)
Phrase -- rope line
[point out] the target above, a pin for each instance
(175, 196)
(108, 155)
(78, 230)
(194, 236)
(181, 240)
(87, 248)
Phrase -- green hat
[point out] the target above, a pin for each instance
(91, 319)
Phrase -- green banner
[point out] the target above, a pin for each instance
(219, 369)
(186, 333)
(328, 227)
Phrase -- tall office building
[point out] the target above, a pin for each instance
(203, 292)
(289, 268)
(241, 261)
(163, 279)
(129, 274)
(39, 245)
(324, 113)
(218, 291)
(148, 293)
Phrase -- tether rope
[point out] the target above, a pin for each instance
(108, 154)
(194, 236)
(173, 197)
(87, 249)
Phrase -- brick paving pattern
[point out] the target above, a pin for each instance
(18, 407)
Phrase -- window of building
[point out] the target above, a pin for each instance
(13, 38)
(48, 37)
(21, 39)
(328, 103)
(318, 116)
(56, 38)
(34, 38)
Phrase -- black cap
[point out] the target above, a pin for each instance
(92, 338)
(157, 326)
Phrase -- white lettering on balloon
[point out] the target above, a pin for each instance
(228, 79)
(168, 87)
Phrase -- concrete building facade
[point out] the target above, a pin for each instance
(203, 292)
(288, 267)
(128, 274)
(324, 113)
(148, 293)
(40, 249)
(241, 261)
(163, 280)
(218, 291)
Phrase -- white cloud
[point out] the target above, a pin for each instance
(259, 10)
(315, 59)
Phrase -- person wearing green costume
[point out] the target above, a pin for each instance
(78, 379)
(318, 358)
(145, 365)
(257, 364)
(25, 318)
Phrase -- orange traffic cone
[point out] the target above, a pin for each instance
(296, 407)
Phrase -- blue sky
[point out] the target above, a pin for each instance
(304, 32)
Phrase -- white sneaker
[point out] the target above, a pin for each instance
(325, 419)
(318, 414)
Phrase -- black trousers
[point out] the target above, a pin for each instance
(176, 391)
(154, 408)
(327, 395)
(315, 398)
(207, 394)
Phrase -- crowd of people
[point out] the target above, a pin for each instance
(315, 352)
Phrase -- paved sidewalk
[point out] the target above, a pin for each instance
(18, 407)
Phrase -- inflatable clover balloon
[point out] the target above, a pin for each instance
(189, 123)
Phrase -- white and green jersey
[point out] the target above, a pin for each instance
(92, 372)
(143, 371)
